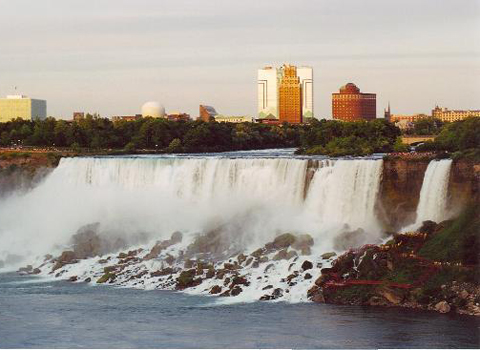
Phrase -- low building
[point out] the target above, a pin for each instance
(206, 112)
(349, 104)
(233, 119)
(78, 116)
(20, 106)
(177, 116)
(394, 118)
(446, 115)
(126, 117)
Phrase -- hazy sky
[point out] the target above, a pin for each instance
(110, 56)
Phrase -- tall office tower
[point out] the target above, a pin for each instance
(268, 93)
(352, 105)
(290, 96)
(306, 80)
(269, 84)
(20, 106)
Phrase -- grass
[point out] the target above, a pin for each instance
(458, 242)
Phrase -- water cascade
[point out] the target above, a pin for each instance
(434, 193)
(253, 198)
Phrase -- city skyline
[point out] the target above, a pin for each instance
(111, 57)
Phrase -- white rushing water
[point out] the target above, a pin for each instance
(253, 199)
(434, 193)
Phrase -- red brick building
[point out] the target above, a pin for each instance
(352, 105)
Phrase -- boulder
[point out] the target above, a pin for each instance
(307, 265)
(268, 268)
(443, 307)
(307, 276)
(108, 269)
(36, 271)
(73, 279)
(235, 291)
(258, 253)
(122, 255)
(390, 295)
(241, 258)
(277, 293)
(267, 287)
(240, 280)
(67, 257)
(187, 279)
(216, 289)
(88, 280)
(327, 256)
(285, 255)
(170, 259)
(249, 261)
(109, 276)
(164, 272)
(283, 241)
(26, 269)
(210, 273)
(303, 243)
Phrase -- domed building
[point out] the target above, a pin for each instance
(153, 109)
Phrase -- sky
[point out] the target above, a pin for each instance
(111, 56)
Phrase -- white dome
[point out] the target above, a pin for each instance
(153, 109)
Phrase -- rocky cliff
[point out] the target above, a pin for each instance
(402, 181)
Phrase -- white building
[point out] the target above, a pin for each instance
(268, 82)
(20, 106)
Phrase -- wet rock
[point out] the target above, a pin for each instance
(249, 261)
(160, 246)
(170, 259)
(443, 307)
(277, 293)
(25, 270)
(102, 261)
(241, 258)
(163, 272)
(216, 289)
(307, 265)
(108, 269)
(268, 268)
(307, 276)
(283, 241)
(225, 294)
(189, 264)
(263, 259)
(228, 266)
(226, 282)
(88, 280)
(109, 276)
(303, 243)
(255, 264)
(259, 252)
(377, 301)
(122, 255)
(320, 280)
(284, 255)
(73, 279)
(327, 256)
(390, 295)
(267, 287)
(210, 273)
(236, 291)
(187, 279)
(68, 257)
(36, 271)
(240, 280)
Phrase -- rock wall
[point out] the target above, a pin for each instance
(402, 181)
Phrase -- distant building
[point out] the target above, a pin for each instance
(126, 117)
(20, 106)
(233, 119)
(349, 104)
(78, 116)
(177, 116)
(290, 96)
(285, 93)
(153, 109)
(206, 112)
(446, 115)
(394, 118)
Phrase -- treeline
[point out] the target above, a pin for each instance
(460, 138)
(148, 133)
(336, 138)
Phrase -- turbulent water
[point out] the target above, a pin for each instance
(250, 197)
(434, 192)
(256, 198)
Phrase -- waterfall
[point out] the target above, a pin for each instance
(433, 195)
(253, 199)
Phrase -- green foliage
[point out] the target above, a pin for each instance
(336, 138)
(426, 126)
(399, 146)
(94, 132)
(459, 241)
(461, 138)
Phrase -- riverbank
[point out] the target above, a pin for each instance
(433, 268)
